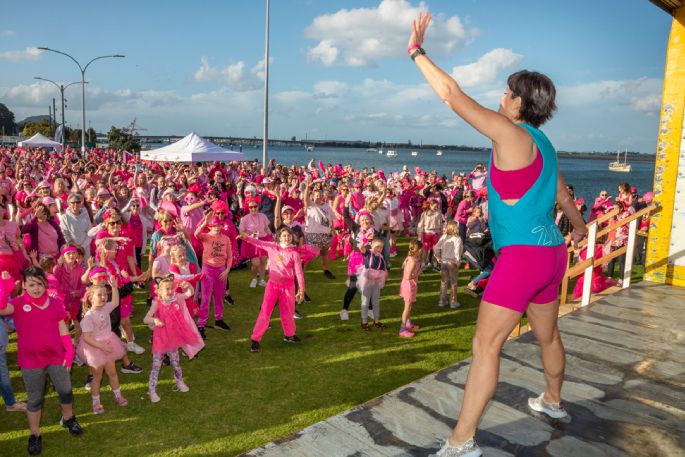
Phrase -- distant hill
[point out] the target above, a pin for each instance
(38, 119)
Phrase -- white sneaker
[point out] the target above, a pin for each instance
(253, 283)
(182, 387)
(133, 347)
(262, 283)
(344, 315)
(467, 449)
(455, 305)
(554, 410)
(154, 398)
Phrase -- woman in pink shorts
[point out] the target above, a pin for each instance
(523, 184)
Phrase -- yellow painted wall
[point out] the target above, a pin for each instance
(659, 268)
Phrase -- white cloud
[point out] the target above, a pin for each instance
(642, 95)
(362, 36)
(233, 76)
(329, 89)
(486, 69)
(27, 54)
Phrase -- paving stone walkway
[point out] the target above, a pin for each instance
(625, 391)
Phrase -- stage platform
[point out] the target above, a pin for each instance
(624, 389)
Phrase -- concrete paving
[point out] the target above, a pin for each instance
(624, 389)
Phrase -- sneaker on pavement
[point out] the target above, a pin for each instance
(132, 346)
(201, 330)
(261, 283)
(182, 386)
(35, 444)
(154, 398)
(404, 333)
(292, 339)
(455, 305)
(344, 315)
(17, 406)
(89, 381)
(328, 274)
(120, 400)
(554, 410)
(253, 283)
(297, 315)
(220, 324)
(98, 408)
(131, 368)
(468, 449)
(71, 424)
(255, 346)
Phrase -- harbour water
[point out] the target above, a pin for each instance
(588, 176)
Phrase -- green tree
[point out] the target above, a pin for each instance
(120, 139)
(45, 128)
(7, 125)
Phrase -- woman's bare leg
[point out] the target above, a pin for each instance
(493, 327)
(543, 321)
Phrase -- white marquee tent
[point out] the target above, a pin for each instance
(38, 141)
(192, 148)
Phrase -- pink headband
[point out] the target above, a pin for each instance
(68, 249)
(97, 272)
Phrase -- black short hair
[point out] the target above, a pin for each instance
(537, 94)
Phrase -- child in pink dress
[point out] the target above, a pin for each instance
(173, 329)
(99, 347)
(68, 273)
(183, 270)
(411, 269)
(285, 266)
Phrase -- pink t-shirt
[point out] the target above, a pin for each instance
(38, 340)
(124, 249)
(254, 223)
(216, 249)
(47, 239)
(8, 231)
(97, 321)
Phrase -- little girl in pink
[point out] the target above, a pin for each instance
(99, 347)
(285, 266)
(411, 269)
(173, 329)
(68, 273)
(183, 270)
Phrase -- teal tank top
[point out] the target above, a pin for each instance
(530, 221)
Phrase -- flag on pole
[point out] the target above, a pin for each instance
(58, 133)
(128, 157)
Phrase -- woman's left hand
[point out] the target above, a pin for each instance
(418, 29)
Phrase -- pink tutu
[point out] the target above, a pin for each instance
(408, 289)
(369, 276)
(355, 263)
(97, 358)
(179, 330)
(250, 251)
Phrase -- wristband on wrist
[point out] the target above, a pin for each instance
(417, 52)
(412, 47)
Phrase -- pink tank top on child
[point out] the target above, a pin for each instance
(513, 184)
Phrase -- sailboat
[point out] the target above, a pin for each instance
(618, 166)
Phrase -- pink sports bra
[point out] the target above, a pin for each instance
(513, 184)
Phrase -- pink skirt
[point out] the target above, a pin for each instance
(408, 289)
(355, 263)
(249, 251)
(97, 358)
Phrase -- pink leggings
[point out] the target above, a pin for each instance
(212, 286)
(285, 294)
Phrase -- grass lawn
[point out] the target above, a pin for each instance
(238, 400)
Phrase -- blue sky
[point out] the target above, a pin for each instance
(339, 69)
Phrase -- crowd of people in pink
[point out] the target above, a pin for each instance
(74, 233)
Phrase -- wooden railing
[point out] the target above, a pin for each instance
(585, 267)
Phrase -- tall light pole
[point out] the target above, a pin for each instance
(61, 88)
(83, 89)
(266, 91)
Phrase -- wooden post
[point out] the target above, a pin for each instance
(627, 271)
(590, 254)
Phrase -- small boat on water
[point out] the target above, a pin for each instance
(414, 153)
(371, 150)
(309, 148)
(618, 166)
(391, 153)
(439, 152)
(380, 151)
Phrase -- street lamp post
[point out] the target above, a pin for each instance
(83, 89)
(265, 143)
(61, 88)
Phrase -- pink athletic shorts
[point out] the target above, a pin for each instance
(526, 274)
(429, 240)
